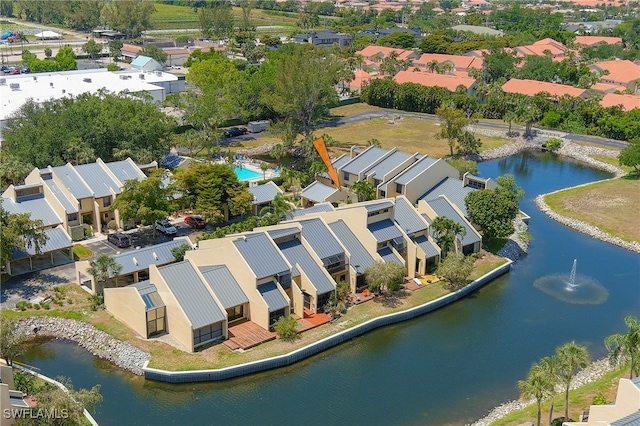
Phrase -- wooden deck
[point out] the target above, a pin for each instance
(412, 285)
(311, 320)
(247, 334)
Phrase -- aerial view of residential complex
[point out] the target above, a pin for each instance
(364, 212)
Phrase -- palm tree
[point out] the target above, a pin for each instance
(447, 233)
(550, 365)
(446, 68)
(279, 207)
(571, 357)
(103, 268)
(278, 151)
(626, 346)
(537, 386)
(264, 167)
(364, 190)
(374, 142)
(433, 66)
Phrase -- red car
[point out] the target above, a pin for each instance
(195, 222)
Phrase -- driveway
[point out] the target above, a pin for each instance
(31, 285)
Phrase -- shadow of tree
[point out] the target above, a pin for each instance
(392, 299)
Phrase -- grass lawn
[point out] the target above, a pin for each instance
(610, 205)
(579, 400)
(613, 161)
(81, 252)
(353, 109)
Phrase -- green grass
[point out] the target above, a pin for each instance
(81, 252)
(58, 313)
(579, 400)
(611, 160)
(610, 205)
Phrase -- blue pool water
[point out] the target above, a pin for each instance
(246, 174)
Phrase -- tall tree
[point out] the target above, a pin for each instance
(536, 386)
(216, 19)
(550, 365)
(247, 6)
(626, 347)
(115, 49)
(103, 268)
(447, 234)
(146, 200)
(279, 207)
(571, 357)
(92, 48)
(12, 340)
(452, 124)
(303, 88)
(384, 276)
(630, 156)
(129, 17)
(154, 52)
(364, 190)
(12, 170)
(456, 269)
(19, 231)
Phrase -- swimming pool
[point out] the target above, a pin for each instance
(246, 174)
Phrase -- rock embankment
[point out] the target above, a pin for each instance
(99, 343)
(517, 244)
(593, 372)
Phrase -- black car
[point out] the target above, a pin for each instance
(232, 132)
(120, 240)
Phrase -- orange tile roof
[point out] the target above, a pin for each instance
(533, 87)
(459, 62)
(130, 48)
(620, 72)
(360, 78)
(370, 52)
(449, 82)
(538, 48)
(606, 88)
(592, 40)
(628, 102)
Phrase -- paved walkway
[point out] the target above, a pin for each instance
(31, 285)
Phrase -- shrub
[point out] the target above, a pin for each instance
(112, 67)
(37, 306)
(600, 399)
(45, 306)
(22, 305)
(24, 382)
(69, 301)
(112, 225)
(553, 144)
(286, 328)
(97, 301)
(88, 232)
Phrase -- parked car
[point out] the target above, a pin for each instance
(119, 240)
(165, 227)
(195, 222)
(232, 132)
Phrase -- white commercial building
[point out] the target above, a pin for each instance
(16, 90)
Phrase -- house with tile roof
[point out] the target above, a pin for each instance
(458, 62)
(533, 87)
(547, 46)
(595, 41)
(373, 55)
(622, 73)
(627, 102)
(449, 82)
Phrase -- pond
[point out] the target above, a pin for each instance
(448, 367)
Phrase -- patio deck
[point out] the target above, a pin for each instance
(358, 298)
(412, 285)
(311, 320)
(247, 334)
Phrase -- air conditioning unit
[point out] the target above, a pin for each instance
(51, 84)
(141, 76)
(14, 86)
(159, 73)
(35, 78)
(123, 77)
(3, 81)
(86, 80)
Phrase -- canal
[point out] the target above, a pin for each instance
(449, 367)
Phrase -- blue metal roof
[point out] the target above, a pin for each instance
(149, 294)
(320, 238)
(296, 253)
(414, 170)
(264, 193)
(632, 419)
(407, 217)
(317, 208)
(72, 181)
(224, 285)
(57, 239)
(366, 159)
(140, 61)
(318, 192)
(36, 206)
(429, 249)
(389, 256)
(192, 294)
(68, 205)
(360, 257)
(453, 189)
(100, 182)
(283, 232)
(372, 207)
(337, 164)
(379, 170)
(443, 208)
(384, 230)
(261, 255)
(138, 260)
(125, 170)
(272, 296)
